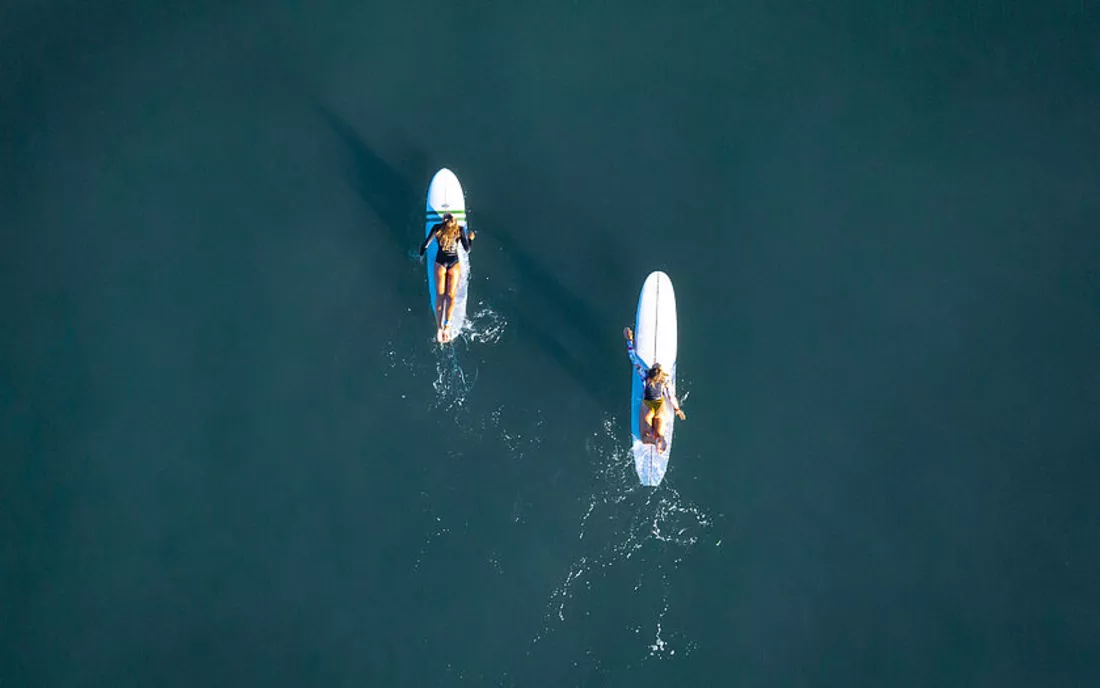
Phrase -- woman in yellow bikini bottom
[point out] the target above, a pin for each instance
(657, 390)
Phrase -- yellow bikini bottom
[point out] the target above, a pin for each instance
(656, 404)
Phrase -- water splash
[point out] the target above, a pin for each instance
(484, 326)
(452, 383)
(624, 522)
(665, 642)
(683, 388)
(452, 386)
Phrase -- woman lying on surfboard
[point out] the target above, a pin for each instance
(448, 271)
(657, 391)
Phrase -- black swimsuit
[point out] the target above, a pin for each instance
(447, 259)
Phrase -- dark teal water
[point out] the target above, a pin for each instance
(231, 454)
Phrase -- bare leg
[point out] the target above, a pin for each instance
(645, 425)
(454, 273)
(440, 295)
(659, 431)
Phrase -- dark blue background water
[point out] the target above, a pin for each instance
(231, 454)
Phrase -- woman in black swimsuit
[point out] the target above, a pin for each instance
(448, 234)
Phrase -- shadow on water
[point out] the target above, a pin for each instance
(557, 317)
(543, 280)
(548, 303)
(396, 202)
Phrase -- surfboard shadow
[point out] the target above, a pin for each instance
(396, 202)
(554, 316)
(584, 372)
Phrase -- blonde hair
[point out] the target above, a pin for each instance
(449, 231)
(657, 373)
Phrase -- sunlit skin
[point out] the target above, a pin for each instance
(651, 424)
(446, 284)
(446, 278)
(441, 292)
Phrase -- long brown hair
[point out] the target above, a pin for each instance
(448, 233)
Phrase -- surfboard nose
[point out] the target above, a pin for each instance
(444, 176)
(657, 276)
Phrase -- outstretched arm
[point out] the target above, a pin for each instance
(466, 236)
(674, 401)
(639, 364)
(428, 239)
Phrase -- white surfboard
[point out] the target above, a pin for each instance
(445, 196)
(654, 342)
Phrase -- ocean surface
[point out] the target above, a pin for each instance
(232, 455)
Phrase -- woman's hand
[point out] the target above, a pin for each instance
(472, 235)
(680, 413)
(628, 334)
